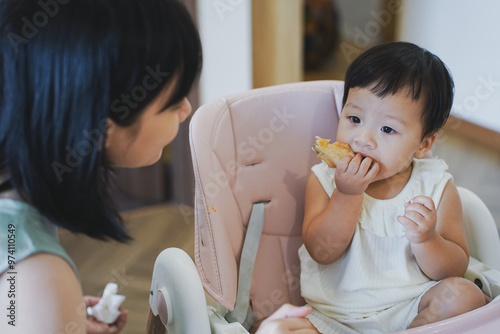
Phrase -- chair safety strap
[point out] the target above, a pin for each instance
(242, 312)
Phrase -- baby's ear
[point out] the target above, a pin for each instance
(426, 145)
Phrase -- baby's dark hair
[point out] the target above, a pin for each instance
(389, 68)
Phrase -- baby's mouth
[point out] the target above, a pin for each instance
(363, 156)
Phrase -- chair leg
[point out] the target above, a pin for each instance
(154, 325)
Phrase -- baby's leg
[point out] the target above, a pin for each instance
(451, 297)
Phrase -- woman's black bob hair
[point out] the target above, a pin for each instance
(67, 66)
(392, 67)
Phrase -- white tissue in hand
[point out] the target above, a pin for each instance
(106, 310)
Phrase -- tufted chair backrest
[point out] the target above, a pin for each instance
(251, 147)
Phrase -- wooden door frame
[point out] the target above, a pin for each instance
(182, 177)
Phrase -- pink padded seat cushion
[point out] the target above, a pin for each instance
(249, 147)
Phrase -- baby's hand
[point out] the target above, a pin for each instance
(419, 219)
(354, 174)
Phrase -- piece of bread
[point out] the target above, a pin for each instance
(331, 153)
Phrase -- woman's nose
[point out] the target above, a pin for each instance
(184, 110)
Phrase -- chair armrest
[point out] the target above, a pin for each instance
(485, 277)
(176, 294)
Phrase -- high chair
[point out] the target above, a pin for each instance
(252, 157)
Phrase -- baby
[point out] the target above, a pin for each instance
(392, 219)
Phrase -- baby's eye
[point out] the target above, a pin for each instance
(387, 129)
(354, 119)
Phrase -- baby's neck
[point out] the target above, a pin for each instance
(390, 187)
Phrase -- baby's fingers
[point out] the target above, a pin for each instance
(344, 163)
(425, 201)
(407, 222)
(354, 165)
(373, 171)
(419, 212)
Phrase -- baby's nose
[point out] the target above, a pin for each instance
(365, 140)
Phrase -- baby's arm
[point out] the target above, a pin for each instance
(329, 223)
(437, 237)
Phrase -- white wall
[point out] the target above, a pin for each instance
(465, 35)
(359, 21)
(226, 33)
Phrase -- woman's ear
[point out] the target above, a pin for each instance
(110, 132)
(426, 145)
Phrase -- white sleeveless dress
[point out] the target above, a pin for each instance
(376, 285)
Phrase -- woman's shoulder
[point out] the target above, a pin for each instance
(29, 232)
(46, 296)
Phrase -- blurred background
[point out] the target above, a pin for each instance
(256, 43)
(250, 44)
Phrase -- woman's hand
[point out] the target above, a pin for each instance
(288, 319)
(354, 174)
(94, 326)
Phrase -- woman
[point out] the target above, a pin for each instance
(85, 85)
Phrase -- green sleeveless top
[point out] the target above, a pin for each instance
(24, 231)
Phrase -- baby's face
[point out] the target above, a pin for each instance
(388, 129)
